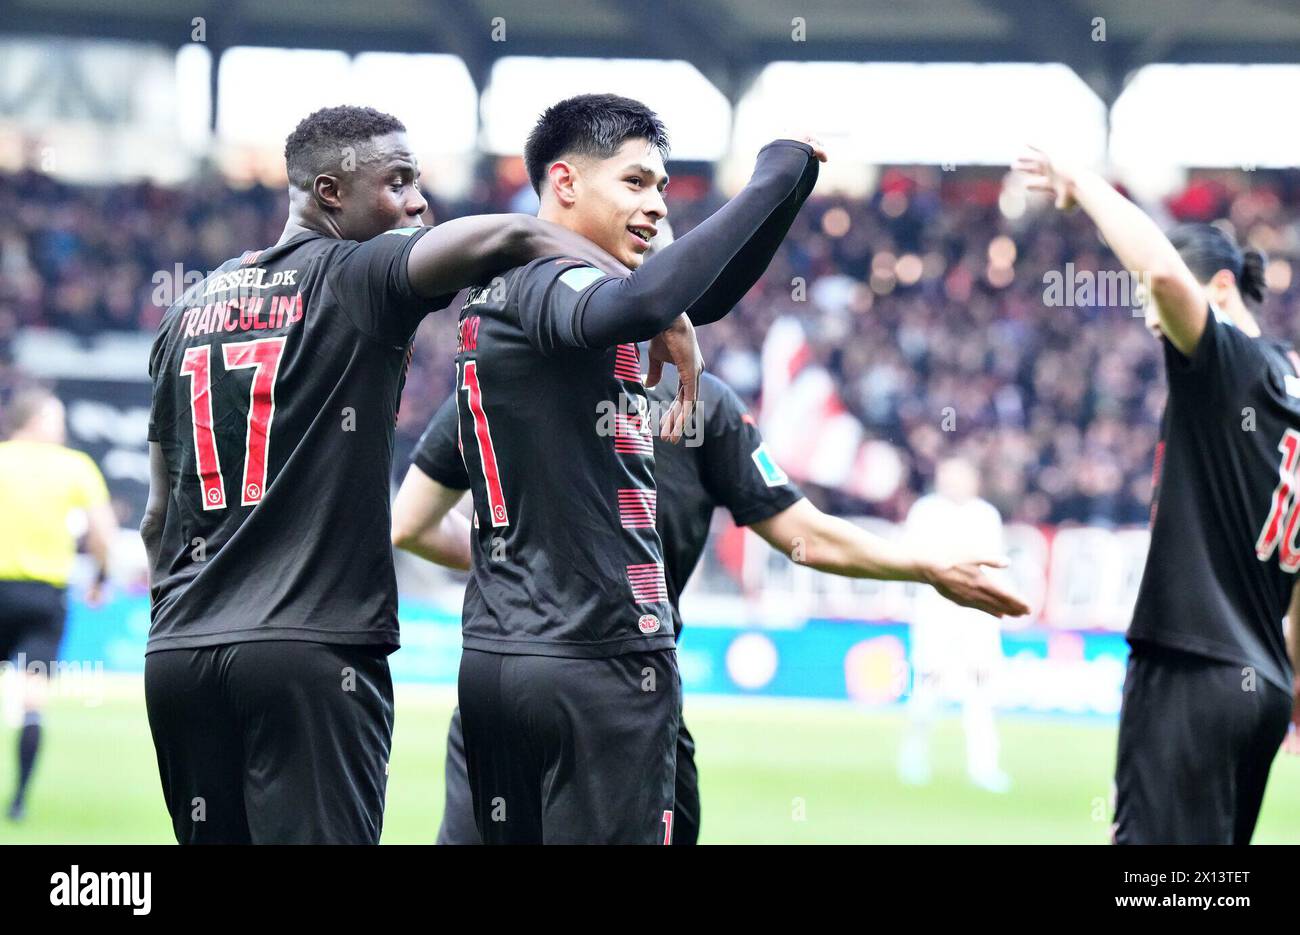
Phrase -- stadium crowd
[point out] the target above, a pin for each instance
(928, 302)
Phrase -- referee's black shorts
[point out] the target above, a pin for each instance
(32, 615)
(272, 742)
(1196, 740)
(571, 751)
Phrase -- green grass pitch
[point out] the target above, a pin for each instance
(771, 772)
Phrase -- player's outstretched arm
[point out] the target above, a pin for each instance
(1137, 240)
(464, 252)
(425, 522)
(836, 546)
(645, 303)
(155, 508)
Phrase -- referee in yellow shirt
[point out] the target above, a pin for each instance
(42, 482)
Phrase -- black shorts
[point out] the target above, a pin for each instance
(571, 751)
(458, 826)
(32, 614)
(1196, 740)
(273, 742)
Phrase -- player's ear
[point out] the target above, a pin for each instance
(562, 179)
(1222, 282)
(325, 189)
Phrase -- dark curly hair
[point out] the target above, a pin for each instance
(589, 125)
(316, 145)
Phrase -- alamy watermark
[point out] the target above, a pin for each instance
(1085, 288)
(68, 678)
(635, 417)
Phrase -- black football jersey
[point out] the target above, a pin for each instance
(1225, 531)
(276, 383)
(437, 453)
(723, 462)
(559, 450)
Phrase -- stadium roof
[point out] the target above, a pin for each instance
(728, 40)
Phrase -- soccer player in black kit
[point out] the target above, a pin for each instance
(568, 680)
(1209, 688)
(275, 389)
(721, 462)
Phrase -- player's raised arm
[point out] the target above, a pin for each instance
(1135, 238)
(836, 546)
(753, 259)
(466, 251)
(730, 250)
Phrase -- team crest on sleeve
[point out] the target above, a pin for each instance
(771, 472)
(648, 623)
(580, 277)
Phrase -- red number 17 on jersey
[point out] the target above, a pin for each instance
(263, 356)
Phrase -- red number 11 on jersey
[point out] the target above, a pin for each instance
(487, 454)
(263, 356)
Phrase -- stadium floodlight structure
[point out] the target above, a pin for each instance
(729, 41)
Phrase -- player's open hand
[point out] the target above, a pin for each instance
(965, 583)
(1048, 173)
(677, 346)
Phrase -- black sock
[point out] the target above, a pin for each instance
(28, 743)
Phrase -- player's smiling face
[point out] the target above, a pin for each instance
(619, 201)
(382, 192)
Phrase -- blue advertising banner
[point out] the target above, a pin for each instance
(1041, 670)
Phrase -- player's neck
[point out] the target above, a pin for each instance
(305, 217)
(549, 211)
(557, 214)
(295, 226)
(1242, 318)
(31, 437)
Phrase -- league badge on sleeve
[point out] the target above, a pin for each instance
(772, 474)
(580, 277)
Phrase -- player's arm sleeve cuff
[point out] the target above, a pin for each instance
(438, 472)
(372, 284)
(781, 499)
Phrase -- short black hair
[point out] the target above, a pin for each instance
(1206, 249)
(316, 145)
(589, 125)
